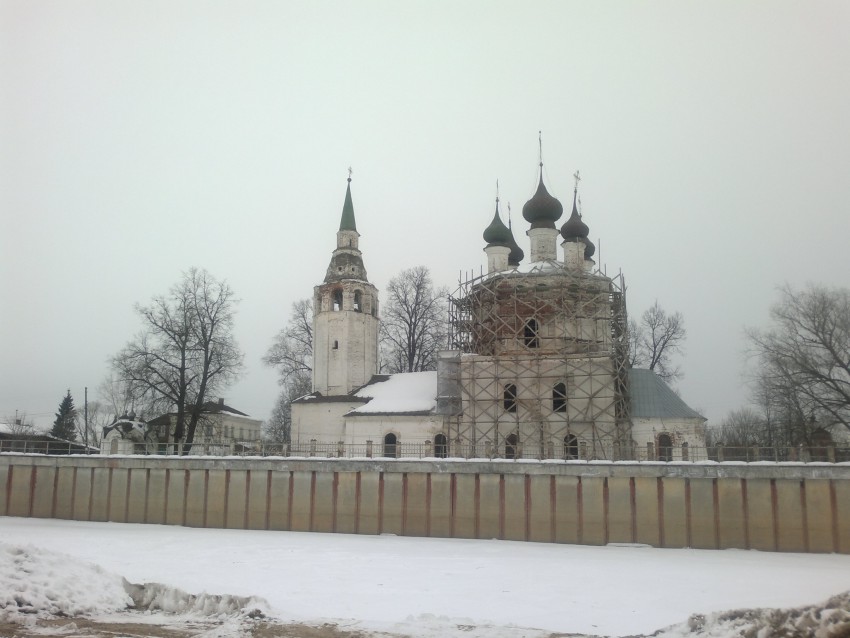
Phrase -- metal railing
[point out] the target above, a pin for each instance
(580, 451)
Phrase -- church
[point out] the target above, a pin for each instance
(536, 363)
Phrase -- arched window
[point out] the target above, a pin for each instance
(570, 447)
(337, 300)
(559, 397)
(391, 445)
(511, 446)
(509, 398)
(358, 301)
(441, 446)
(665, 447)
(530, 336)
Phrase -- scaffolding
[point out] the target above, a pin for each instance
(538, 365)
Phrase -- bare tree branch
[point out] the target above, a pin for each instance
(655, 339)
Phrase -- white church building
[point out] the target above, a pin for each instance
(536, 365)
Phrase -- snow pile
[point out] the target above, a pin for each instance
(45, 583)
(829, 620)
(158, 597)
(36, 581)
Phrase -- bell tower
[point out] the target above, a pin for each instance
(345, 315)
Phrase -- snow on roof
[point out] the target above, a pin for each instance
(406, 393)
(652, 397)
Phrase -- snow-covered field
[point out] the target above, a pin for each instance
(421, 587)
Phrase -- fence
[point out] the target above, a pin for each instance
(486, 450)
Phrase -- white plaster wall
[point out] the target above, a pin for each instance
(690, 431)
(320, 420)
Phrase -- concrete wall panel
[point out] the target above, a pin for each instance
(237, 499)
(100, 494)
(760, 519)
(43, 496)
(175, 496)
(789, 510)
(391, 522)
(594, 525)
(216, 495)
(675, 513)
(279, 501)
(465, 511)
(489, 506)
(702, 514)
(118, 497)
(156, 497)
(323, 503)
(19, 498)
(819, 516)
(441, 505)
(301, 501)
(64, 492)
(196, 498)
(515, 508)
(647, 528)
(620, 511)
(566, 510)
(416, 521)
(540, 509)
(842, 511)
(137, 495)
(730, 507)
(369, 520)
(258, 491)
(346, 503)
(5, 475)
(82, 494)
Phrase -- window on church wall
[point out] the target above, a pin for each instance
(531, 336)
(559, 397)
(665, 447)
(391, 445)
(441, 446)
(511, 446)
(509, 398)
(337, 300)
(570, 447)
(358, 301)
(336, 345)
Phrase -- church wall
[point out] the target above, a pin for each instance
(320, 420)
(408, 429)
(771, 507)
(646, 431)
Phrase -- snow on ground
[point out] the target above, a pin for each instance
(431, 587)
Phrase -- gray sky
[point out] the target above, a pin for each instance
(138, 139)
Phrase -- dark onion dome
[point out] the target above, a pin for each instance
(516, 255)
(589, 248)
(497, 234)
(542, 210)
(574, 228)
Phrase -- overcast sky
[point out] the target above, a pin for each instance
(139, 139)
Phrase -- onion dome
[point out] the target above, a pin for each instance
(497, 234)
(516, 255)
(542, 210)
(574, 228)
(589, 248)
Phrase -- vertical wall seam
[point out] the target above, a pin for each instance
(267, 519)
(126, 495)
(580, 510)
(452, 504)
(477, 505)
(380, 503)
(745, 505)
(165, 496)
(226, 504)
(291, 490)
(312, 521)
(109, 494)
(553, 509)
(206, 496)
(688, 514)
(74, 492)
(31, 503)
(247, 508)
(501, 506)
(715, 505)
(91, 492)
(428, 504)
(605, 512)
(833, 509)
(404, 504)
(632, 509)
(774, 510)
(186, 477)
(334, 497)
(805, 515)
(8, 488)
(659, 491)
(357, 497)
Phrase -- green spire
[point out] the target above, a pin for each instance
(347, 221)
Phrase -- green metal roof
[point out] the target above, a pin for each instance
(347, 221)
(652, 397)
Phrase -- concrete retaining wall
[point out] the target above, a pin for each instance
(773, 507)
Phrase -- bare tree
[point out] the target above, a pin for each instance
(99, 416)
(414, 322)
(19, 425)
(186, 351)
(804, 359)
(740, 428)
(292, 355)
(292, 350)
(655, 339)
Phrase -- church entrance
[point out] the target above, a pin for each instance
(391, 445)
(441, 446)
(665, 447)
(511, 446)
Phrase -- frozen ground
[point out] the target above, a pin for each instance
(411, 586)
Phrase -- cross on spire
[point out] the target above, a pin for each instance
(577, 178)
(540, 146)
(350, 171)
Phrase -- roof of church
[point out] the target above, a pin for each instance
(409, 393)
(347, 221)
(542, 210)
(497, 234)
(652, 397)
